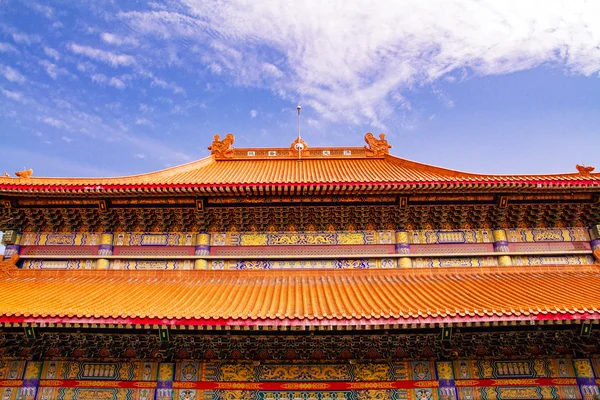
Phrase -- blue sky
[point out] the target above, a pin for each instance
(109, 88)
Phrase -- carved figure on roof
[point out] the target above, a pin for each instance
(376, 147)
(6, 175)
(7, 266)
(26, 173)
(222, 148)
(584, 170)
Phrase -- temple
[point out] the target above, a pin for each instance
(300, 273)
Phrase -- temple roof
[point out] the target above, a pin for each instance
(301, 297)
(369, 168)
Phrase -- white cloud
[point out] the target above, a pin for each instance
(16, 96)
(67, 139)
(140, 156)
(166, 85)
(46, 11)
(114, 82)
(50, 52)
(118, 40)
(52, 70)
(23, 38)
(99, 78)
(117, 83)
(11, 74)
(7, 48)
(145, 108)
(85, 67)
(253, 113)
(353, 61)
(107, 57)
(56, 123)
(143, 121)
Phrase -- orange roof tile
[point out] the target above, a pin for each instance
(315, 297)
(210, 174)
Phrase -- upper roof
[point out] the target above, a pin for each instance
(300, 298)
(369, 168)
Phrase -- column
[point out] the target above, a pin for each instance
(14, 248)
(403, 247)
(105, 249)
(501, 246)
(202, 249)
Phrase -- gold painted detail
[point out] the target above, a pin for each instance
(305, 372)
(305, 386)
(372, 372)
(237, 372)
(222, 148)
(519, 393)
(376, 147)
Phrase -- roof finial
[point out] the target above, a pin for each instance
(299, 145)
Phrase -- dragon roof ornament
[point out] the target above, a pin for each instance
(222, 148)
(584, 170)
(376, 147)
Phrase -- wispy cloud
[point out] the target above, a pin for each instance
(143, 121)
(107, 57)
(11, 74)
(45, 10)
(7, 48)
(253, 113)
(52, 69)
(112, 81)
(117, 40)
(166, 85)
(56, 123)
(50, 52)
(23, 38)
(354, 62)
(16, 96)
(66, 139)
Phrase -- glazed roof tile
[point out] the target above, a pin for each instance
(228, 169)
(385, 171)
(301, 297)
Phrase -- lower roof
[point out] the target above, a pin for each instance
(301, 297)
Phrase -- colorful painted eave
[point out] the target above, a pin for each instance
(288, 175)
(307, 298)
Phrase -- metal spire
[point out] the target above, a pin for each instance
(299, 146)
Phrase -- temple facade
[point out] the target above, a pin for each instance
(301, 273)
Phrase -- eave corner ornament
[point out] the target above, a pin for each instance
(222, 148)
(7, 266)
(597, 255)
(584, 170)
(376, 147)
